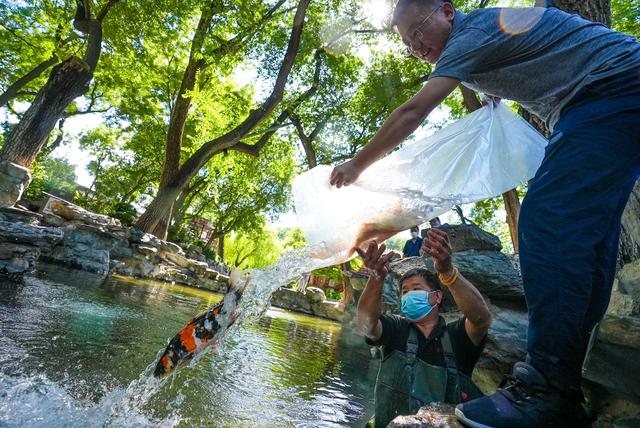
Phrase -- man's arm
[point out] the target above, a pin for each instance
(466, 296)
(398, 126)
(369, 305)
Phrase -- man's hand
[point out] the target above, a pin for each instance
(436, 244)
(485, 99)
(374, 261)
(345, 174)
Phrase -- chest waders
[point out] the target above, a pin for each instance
(405, 382)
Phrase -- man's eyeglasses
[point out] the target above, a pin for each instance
(417, 33)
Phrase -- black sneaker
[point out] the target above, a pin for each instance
(523, 400)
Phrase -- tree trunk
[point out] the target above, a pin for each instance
(221, 248)
(182, 103)
(512, 207)
(593, 10)
(67, 81)
(156, 217)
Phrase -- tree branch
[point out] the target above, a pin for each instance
(13, 90)
(254, 150)
(255, 117)
(233, 45)
(105, 9)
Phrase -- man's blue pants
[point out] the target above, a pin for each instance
(569, 229)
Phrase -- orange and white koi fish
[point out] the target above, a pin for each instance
(203, 330)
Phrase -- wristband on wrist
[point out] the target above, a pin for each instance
(450, 279)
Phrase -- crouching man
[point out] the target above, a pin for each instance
(424, 359)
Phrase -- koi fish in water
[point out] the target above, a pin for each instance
(203, 330)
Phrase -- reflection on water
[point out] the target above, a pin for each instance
(72, 354)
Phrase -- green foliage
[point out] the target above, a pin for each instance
(241, 190)
(145, 52)
(256, 249)
(625, 16)
(51, 173)
(332, 294)
(332, 272)
(182, 235)
(125, 212)
(291, 238)
(207, 251)
(396, 243)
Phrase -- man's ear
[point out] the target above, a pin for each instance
(448, 10)
(439, 297)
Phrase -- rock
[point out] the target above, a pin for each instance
(211, 274)
(630, 231)
(612, 356)
(38, 236)
(22, 244)
(429, 416)
(612, 412)
(138, 267)
(20, 215)
(194, 252)
(490, 271)
(199, 268)
(330, 310)
(211, 285)
(81, 249)
(13, 180)
(172, 248)
(623, 304)
(464, 237)
(223, 279)
(287, 298)
(51, 219)
(70, 211)
(357, 280)
(505, 345)
(176, 258)
(629, 279)
(146, 250)
(17, 260)
(314, 295)
(121, 250)
(137, 236)
(170, 274)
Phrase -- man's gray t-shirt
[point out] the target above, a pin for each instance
(538, 57)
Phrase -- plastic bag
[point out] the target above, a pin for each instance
(481, 155)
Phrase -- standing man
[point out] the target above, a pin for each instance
(424, 359)
(583, 80)
(413, 245)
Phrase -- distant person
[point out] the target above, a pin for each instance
(412, 246)
(425, 359)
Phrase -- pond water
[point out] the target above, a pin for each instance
(77, 351)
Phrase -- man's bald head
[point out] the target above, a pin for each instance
(404, 5)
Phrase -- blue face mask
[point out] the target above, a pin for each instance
(415, 304)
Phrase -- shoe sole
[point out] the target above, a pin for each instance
(469, 423)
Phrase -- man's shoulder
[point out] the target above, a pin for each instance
(396, 320)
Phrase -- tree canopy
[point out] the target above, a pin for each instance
(209, 109)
